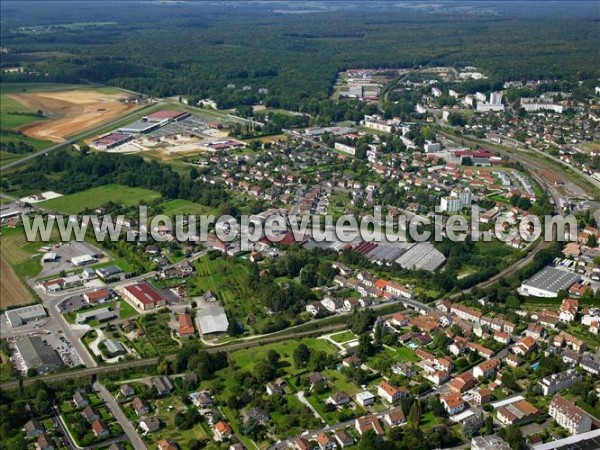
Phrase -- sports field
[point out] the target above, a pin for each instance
(96, 197)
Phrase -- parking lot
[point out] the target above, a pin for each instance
(64, 254)
(57, 341)
(71, 304)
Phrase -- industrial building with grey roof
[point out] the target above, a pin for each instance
(37, 355)
(213, 319)
(548, 282)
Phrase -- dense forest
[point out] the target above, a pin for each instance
(230, 53)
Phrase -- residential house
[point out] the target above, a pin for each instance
(389, 393)
(463, 382)
(162, 385)
(394, 418)
(89, 414)
(343, 438)
(167, 444)
(140, 406)
(366, 423)
(365, 398)
(222, 430)
(568, 310)
(325, 442)
(44, 442)
(338, 399)
(126, 390)
(352, 361)
(100, 429)
(453, 403)
(516, 412)
(487, 368)
(315, 378)
(186, 326)
(482, 396)
(33, 428)
(524, 346)
(150, 424)
(300, 444)
(398, 320)
(403, 369)
(80, 399)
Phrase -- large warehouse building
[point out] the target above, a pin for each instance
(21, 316)
(37, 355)
(548, 282)
(213, 320)
(143, 296)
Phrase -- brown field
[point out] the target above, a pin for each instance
(12, 291)
(69, 111)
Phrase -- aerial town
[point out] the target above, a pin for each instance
(154, 341)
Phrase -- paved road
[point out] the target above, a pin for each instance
(118, 414)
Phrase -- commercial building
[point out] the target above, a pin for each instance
(168, 114)
(82, 260)
(213, 320)
(37, 355)
(569, 416)
(548, 282)
(21, 316)
(140, 127)
(111, 140)
(101, 315)
(143, 296)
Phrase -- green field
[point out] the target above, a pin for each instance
(126, 311)
(247, 359)
(96, 197)
(10, 121)
(180, 206)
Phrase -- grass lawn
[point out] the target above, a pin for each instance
(342, 337)
(11, 121)
(98, 196)
(121, 262)
(19, 252)
(126, 311)
(186, 207)
(246, 359)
